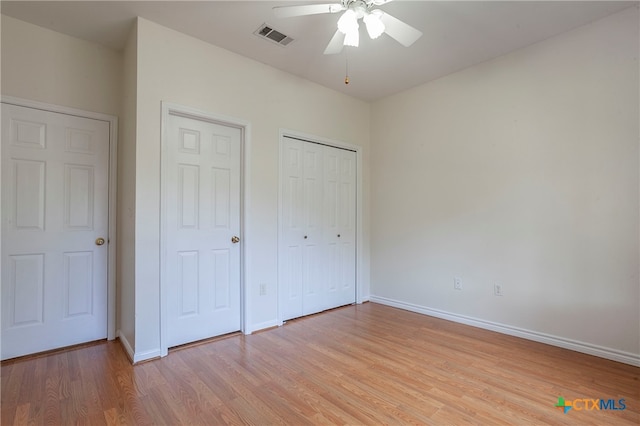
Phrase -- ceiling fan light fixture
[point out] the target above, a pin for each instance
(348, 22)
(352, 38)
(375, 26)
(347, 33)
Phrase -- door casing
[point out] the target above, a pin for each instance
(113, 167)
(169, 108)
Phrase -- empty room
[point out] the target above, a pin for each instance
(320, 212)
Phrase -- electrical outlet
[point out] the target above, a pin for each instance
(263, 289)
(457, 283)
(497, 290)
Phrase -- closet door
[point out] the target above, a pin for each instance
(291, 244)
(340, 226)
(313, 254)
(317, 237)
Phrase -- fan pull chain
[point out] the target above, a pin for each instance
(346, 72)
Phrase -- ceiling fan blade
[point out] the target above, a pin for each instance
(336, 44)
(403, 33)
(381, 2)
(307, 9)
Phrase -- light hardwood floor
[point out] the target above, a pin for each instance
(367, 364)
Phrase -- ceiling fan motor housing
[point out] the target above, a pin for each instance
(360, 7)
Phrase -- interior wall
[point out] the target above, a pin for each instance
(127, 193)
(521, 171)
(180, 69)
(43, 65)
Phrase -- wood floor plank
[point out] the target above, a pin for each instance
(22, 414)
(358, 365)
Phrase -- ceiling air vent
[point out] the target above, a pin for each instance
(274, 36)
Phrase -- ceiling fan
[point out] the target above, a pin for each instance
(376, 21)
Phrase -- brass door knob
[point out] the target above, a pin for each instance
(100, 241)
(235, 239)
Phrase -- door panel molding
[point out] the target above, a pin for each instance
(112, 179)
(305, 137)
(173, 109)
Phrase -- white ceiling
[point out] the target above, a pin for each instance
(457, 34)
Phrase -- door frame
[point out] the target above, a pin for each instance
(170, 108)
(112, 179)
(305, 137)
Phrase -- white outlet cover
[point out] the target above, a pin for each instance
(457, 283)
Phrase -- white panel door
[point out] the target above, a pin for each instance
(340, 225)
(292, 241)
(317, 246)
(54, 210)
(313, 253)
(201, 175)
(303, 254)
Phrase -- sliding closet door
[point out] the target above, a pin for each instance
(317, 222)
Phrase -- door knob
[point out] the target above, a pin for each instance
(235, 239)
(99, 241)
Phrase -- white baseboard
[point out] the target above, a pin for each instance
(136, 357)
(587, 348)
(144, 356)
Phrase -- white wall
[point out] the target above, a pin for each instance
(521, 171)
(127, 193)
(46, 66)
(177, 68)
